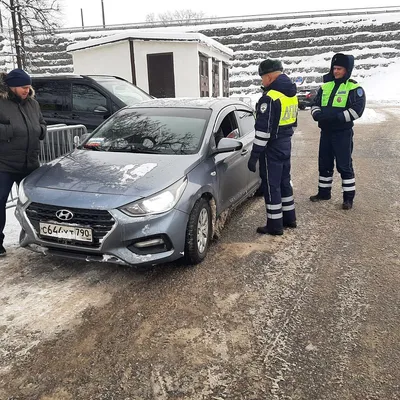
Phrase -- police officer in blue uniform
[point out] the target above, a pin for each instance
(276, 115)
(339, 102)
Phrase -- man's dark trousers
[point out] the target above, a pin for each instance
(337, 145)
(6, 182)
(278, 189)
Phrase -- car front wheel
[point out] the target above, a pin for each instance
(198, 232)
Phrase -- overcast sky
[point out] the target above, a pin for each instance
(125, 11)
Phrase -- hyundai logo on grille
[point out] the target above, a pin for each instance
(64, 215)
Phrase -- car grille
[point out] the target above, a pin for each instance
(100, 221)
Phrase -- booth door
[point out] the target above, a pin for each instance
(160, 70)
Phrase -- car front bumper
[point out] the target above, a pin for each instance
(129, 241)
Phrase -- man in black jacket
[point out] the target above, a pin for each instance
(339, 101)
(276, 115)
(21, 128)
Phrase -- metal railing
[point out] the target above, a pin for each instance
(58, 142)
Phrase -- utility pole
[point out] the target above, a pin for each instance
(1, 22)
(83, 25)
(21, 36)
(102, 11)
(15, 32)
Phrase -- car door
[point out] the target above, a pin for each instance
(247, 133)
(230, 168)
(89, 106)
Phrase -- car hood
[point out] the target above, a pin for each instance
(134, 175)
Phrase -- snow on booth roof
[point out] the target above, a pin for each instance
(166, 35)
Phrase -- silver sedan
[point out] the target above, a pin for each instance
(145, 187)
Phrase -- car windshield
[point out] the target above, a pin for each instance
(151, 130)
(125, 91)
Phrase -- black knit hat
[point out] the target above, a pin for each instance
(340, 60)
(17, 77)
(268, 66)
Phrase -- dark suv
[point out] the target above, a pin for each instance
(83, 99)
(306, 97)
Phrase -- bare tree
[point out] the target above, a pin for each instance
(179, 17)
(27, 18)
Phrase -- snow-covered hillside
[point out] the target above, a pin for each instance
(305, 44)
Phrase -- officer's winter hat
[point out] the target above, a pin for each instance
(17, 77)
(340, 60)
(268, 66)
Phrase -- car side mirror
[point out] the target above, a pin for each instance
(226, 145)
(100, 110)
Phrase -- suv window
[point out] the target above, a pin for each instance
(86, 99)
(246, 122)
(125, 91)
(51, 95)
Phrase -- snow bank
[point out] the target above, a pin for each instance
(383, 86)
(370, 116)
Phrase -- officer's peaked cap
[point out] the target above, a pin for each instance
(268, 66)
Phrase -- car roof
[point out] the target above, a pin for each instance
(215, 103)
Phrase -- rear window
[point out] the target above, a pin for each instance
(125, 91)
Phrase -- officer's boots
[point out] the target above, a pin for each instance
(319, 197)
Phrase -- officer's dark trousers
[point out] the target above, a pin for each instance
(6, 182)
(336, 146)
(278, 189)
(263, 171)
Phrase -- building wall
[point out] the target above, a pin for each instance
(115, 59)
(109, 59)
(186, 65)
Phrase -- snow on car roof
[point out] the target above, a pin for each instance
(190, 102)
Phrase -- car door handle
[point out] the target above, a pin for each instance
(244, 152)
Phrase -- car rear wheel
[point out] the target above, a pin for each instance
(198, 232)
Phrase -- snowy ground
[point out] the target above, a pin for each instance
(12, 229)
(312, 314)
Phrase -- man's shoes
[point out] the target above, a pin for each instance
(318, 197)
(290, 224)
(347, 205)
(264, 231)
(2, 251)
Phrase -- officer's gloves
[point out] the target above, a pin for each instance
(320, 117)
(252, 164)
(317, 116)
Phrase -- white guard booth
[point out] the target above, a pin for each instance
(162, 63)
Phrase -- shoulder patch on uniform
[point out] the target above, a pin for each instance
(360, 92)
(263, 107)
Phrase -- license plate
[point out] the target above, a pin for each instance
(66, 232)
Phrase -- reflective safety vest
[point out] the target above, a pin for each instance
(289, 107)
(341, 95)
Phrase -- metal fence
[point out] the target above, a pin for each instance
(58, 142)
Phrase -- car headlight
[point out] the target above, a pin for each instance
(158, 203)
(22, 197)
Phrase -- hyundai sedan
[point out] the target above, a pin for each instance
(147, 186)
